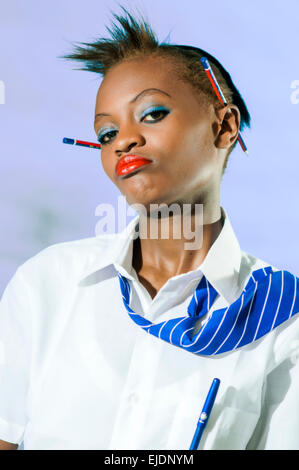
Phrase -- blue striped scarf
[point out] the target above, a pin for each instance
(268, 299)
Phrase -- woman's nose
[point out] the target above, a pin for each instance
(128, 138)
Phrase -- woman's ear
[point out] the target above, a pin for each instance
(228, 125)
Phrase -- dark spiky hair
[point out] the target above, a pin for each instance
(135, 38)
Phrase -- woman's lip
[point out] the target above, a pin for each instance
(125, 167)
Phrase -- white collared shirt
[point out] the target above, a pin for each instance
(77, 373)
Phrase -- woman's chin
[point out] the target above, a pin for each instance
(148, 206)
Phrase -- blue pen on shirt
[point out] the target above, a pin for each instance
(205, 414)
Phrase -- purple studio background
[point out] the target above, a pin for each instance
(50, 191)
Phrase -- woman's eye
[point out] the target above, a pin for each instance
(102, 137)
(157, 113)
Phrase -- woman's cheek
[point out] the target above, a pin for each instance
(108, 167)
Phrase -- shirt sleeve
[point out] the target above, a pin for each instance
(278, 425)
(15, 358)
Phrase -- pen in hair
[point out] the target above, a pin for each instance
(216, 87)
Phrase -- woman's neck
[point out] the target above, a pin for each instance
(172, 256)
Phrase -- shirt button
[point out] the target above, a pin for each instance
(133, 398)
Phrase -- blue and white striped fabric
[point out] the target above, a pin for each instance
(268, 299)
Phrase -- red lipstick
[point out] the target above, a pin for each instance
(129, 163)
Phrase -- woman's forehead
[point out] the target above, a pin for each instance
(126, 79)
(132, 74)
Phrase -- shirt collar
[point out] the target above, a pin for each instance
(221, 265)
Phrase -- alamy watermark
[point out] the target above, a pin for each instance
(295, 93)
(173, 222)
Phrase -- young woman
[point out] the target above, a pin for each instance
(112, 342)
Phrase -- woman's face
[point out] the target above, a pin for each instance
(171, 127)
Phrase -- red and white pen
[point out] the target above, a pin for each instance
(83, 143)
(220, 95)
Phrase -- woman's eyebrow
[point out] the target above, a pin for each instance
(143, 92)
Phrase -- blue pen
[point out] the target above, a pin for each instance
(205, 414)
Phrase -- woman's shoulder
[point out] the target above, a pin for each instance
(250, 263)
(286, 335)
(66, 259)
(255, 262)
